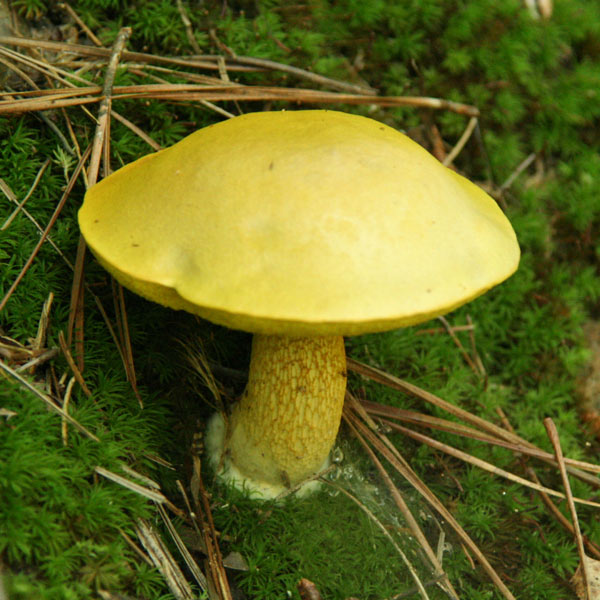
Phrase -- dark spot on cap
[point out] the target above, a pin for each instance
(271, 165)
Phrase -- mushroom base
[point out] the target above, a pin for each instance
(283, 427)
(214, 442)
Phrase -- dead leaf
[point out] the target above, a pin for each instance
(593, 573)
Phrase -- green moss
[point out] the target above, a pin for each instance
(536, 84)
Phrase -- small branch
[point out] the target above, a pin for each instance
(105, 103)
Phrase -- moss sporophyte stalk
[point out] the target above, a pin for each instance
(300, 227)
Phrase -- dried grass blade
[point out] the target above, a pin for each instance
(38, 360)
(163, 561)
(187, 557)
(187, 24)
(42, 330)
(35, 104)
(82, 50)
(555, 440)
(386, 533)
(139, 132)
(74, 368)
(474, 351)
(391, 454)
(402, 506)
(464, 138)
(382, 410)
(336, 84)
(413, 390)
(67, 7)
(153, 495)
(123, 329)
(408, 388)
(47, 229)
(65, 405)
(459, 345)
(218, 576)
(20, 205)
(591, 546)
(411, 416)
(232, 92)
(48, 401)
(482, 464)
(75, 323)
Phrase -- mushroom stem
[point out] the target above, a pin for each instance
(286, 422)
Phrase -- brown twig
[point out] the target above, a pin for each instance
(105, 103)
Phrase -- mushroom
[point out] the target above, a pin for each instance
(299, 227)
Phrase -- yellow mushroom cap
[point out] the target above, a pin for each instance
(299, 223)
